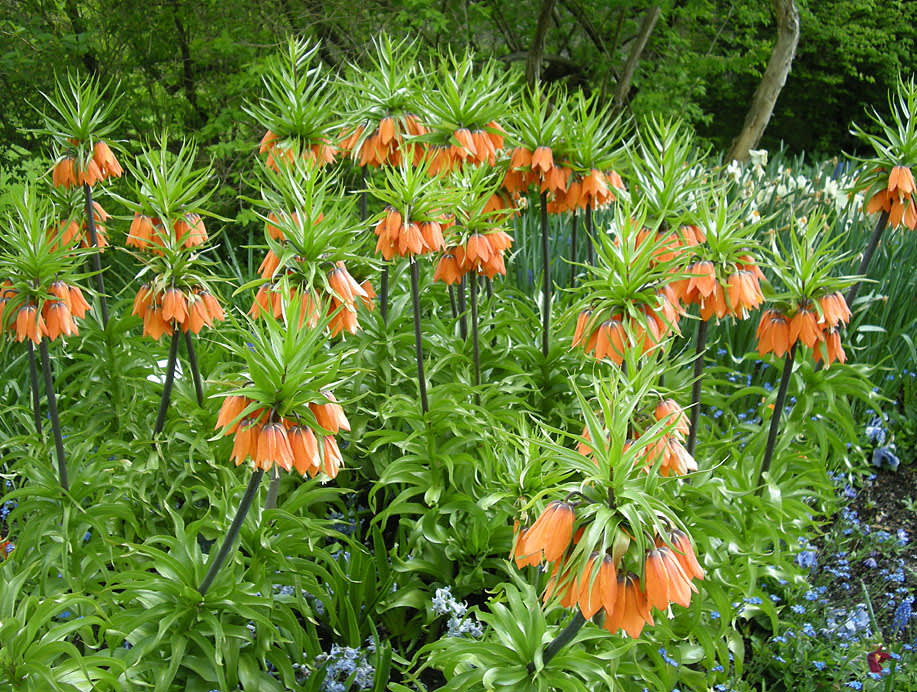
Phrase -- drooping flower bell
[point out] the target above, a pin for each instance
(897, 198)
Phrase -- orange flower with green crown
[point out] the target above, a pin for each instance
(313, 240)
(625, 311)
(40, 301)
(590, 135)
(537, 129)
(81, 118)
(810, 309)
(296, 108)
(382, 106)
(285, 414)
(282, 416)
(39, 296)
(463, 112)
(612, 546)
(888, 184)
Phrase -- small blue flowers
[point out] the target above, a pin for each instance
(819, 665)
(902, 616)
(668, 659)
(342, 662)
(885, 457)
(875, 431)
(807, 559)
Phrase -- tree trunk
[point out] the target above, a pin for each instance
(646, 28)
(778, 67)
(536, 52)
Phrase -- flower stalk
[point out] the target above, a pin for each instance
(881, 224)
(778, 411)
(383, 293)
(452, 304)
(561, 640)
(96, 259)
(52, 412)
(590, 245)
(463, 320)
(474, 337)
(700, 350)
(273, 490)
(167, 386)
(546, 272)
(418, 343)
(244, 505)
(195, 372)
(33, 380)
(573, 249)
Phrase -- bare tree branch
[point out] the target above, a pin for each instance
(646, 28)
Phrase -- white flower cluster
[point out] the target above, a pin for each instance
(445, 604)
(763, 191)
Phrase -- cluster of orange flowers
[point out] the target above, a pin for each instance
(593, 190)
(398, 238)
(73, 231)
(267, 440)
(53, 320)
(322, 152)
(667, 573)
(387, 144)
(668, 450)
(777, 333)
(482, 254)
(149, 232)
(741, 293)
(613, 337)
(341, 303)
(568, 190)
(473, 146)
(68, 172)
(897, 199)
(164, 311)
(527, 168)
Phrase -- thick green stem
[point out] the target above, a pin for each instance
(230, 538)
(700, 350)
(778, 412)
(52, 412)
(474, 337)
(383, 293)
(167, 386)
(33, 381)
(590, 243)
(870, 250)
(418, 343)
(452, 303)
(561, 640)
(463, 319)
(573, 250)
(96, 257)
(273, 490)
(546, 273)
(195, 373)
